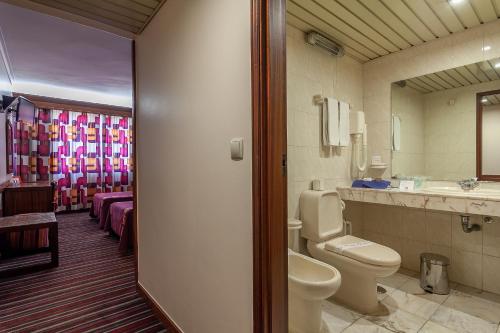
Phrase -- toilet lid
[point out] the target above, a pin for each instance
(364, 251)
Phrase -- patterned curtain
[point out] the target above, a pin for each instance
(84, 153)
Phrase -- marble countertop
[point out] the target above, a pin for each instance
(449, 202)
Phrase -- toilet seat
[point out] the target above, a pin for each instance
(363, 251)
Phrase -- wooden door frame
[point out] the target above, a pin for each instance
(270, 271)
(479, 137)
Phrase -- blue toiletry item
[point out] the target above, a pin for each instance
(378, 184)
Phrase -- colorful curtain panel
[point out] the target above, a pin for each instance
(84, 153)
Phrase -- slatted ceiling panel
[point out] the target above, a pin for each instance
(423, 81)
(121, 11)
(466, 14)
(465, 72)
(489, 70)
(346, 16)
(450, 80)
(476, 70)
(415, 86)
(394, 22)
(375, 28)
(458, 77)
(325, 15)
(424, 84)
(444, 11)
(70, 9)
(424, 13)
(494, 99)
(484, 9)
(494, 65)
(443, 83)
(302, 25)
(430, 82)
(128, 15)
(329, 30)
(409, 18)
(133, 5)
(364, 14)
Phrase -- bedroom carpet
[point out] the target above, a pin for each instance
(92, 290)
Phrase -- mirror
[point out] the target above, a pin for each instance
(445, 125)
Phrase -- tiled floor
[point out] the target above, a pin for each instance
(405, 307)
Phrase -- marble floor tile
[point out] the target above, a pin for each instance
(337, 317)
(365, 326)
(462, 322)
(474, 306)
(412, 286)
(478, 293)
(432, 327)
(396, 320)
(410, 303)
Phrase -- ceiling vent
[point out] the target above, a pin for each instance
(317, 39)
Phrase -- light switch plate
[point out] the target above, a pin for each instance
(237, 149)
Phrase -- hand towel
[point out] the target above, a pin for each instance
(340, 248)
(344, 135)
(396, 133)
(331, 122)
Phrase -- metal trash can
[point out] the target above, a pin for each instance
(434, 273)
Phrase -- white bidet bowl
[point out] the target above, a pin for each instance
(310, 282)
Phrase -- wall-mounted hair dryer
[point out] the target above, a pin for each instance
(359, 133)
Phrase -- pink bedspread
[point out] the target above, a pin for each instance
(102, 202)
(119, 221)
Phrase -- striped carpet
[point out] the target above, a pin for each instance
(93, 289)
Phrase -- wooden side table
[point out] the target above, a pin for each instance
(32, 221)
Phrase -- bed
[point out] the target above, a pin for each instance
(119, 222)
(102, 202)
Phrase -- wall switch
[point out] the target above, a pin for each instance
(237, 149)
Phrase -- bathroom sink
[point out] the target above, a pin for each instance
(478, 192)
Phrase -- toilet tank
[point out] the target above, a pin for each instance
(321, 215)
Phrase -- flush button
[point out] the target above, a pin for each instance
(237, 149)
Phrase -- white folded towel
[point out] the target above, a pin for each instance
(344, 135)
(340, 248)
(396, 133)
(331, 122)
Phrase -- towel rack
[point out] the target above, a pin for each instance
(319, 99)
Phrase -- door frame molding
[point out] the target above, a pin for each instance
(270, 270)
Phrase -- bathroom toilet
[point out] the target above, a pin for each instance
(359, 261)
(310, 282)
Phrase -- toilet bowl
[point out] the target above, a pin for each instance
(309, 283)
(359, 261)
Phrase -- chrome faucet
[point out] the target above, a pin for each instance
(468, 184)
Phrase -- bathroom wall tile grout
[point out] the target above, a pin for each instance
(475, 257)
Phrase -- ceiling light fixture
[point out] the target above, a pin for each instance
(484, 100)
(497, 65)
(455, 2)
(486, 48)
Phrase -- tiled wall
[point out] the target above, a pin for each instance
(475, 256)
(312, 71)
(444, 53)
(408, 105)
